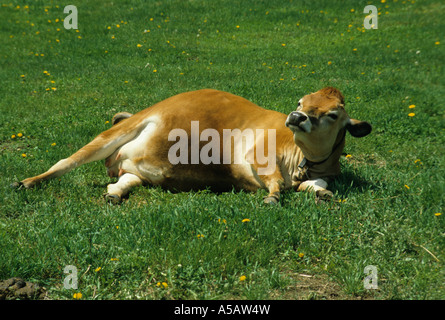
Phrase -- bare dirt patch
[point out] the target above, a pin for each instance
(17, 288)
(314, 287)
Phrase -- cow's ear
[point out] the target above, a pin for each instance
(358, 128)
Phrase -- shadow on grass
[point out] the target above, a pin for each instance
(349, 182)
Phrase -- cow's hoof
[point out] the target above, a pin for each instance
(112, 198)
(16, 185)
(271, 200)
(324, 195)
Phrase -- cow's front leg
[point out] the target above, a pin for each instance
(117, 190)
(274, 184)
(319, 187)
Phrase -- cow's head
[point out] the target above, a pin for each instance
(318, 121)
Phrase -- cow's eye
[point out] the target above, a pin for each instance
(333, 116)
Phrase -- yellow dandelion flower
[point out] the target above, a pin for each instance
(118, 26)
(348, 156)
(283, 44)
(301, 254)
(114, 259)
(24, 155)
(237, 27)
(412, 106)
(53, 144)
(355, 49)
(20, 135)
(245, 220)
(329, 62)
(406, 186)
(437, 43)
(77, 295)
(412, 114)
(155, 70)
(438, 214)
(13, 136)
(139, 45)
(98, 269)
(352, 10)
(22, 76)
(242, 278)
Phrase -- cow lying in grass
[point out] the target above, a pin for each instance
(210, 138)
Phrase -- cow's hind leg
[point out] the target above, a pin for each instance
(117, 190)
(100, 148)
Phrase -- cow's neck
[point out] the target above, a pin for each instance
(307, 169)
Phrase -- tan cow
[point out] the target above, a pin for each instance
(210, 138)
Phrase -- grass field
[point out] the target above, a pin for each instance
(61, 87)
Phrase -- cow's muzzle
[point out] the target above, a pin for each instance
(298, 119)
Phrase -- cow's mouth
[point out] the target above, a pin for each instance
(293, 126)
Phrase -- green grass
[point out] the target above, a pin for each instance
(272, 53)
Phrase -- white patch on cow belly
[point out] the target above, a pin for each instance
(130, 155)
(315, 185)
(153, 175)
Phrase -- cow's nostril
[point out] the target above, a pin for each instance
(301, 118)
(297, 117)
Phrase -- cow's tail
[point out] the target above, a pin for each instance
(100, 148)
